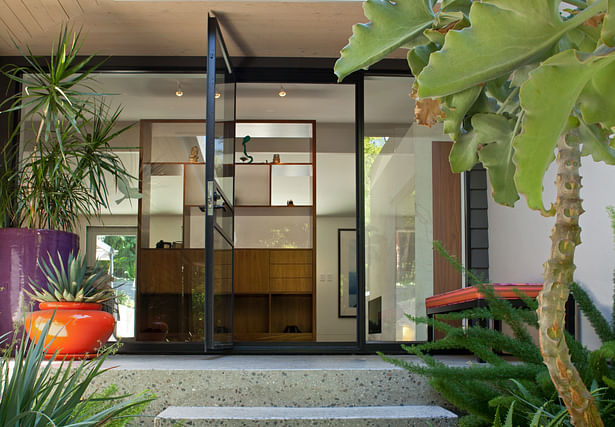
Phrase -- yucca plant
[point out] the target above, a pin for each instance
(38, 394)
(60, 174)
(72, 282)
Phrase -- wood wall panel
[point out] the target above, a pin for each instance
(446, 217)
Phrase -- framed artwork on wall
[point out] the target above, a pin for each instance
(347, 272)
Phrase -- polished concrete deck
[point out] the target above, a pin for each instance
(265, 363)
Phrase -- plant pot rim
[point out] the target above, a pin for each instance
(69, 305)
(36, 230)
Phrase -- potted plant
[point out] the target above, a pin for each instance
(71, 299)
(57, 177)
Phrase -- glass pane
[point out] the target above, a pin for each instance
(398, 212)
(273, 227)
(223, 290)
(252, 185)
(163, 205)
(288, 142)
(178, 142)
(118, 254)
(171, 295)
(291, 185)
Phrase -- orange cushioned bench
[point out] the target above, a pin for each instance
(471, 297)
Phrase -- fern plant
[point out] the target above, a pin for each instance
(513, 372)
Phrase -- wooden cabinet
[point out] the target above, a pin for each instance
(275, 210)
(274, 295)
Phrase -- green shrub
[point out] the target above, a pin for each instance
(35, 393)
(518, 387)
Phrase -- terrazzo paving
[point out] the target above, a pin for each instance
(265, 381)
(353, 416)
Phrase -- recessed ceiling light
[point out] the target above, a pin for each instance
(282, 92)
(179, 91)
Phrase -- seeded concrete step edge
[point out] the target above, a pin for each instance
(417, 415)
(283, 388)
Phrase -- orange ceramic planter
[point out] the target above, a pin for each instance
(77, 329)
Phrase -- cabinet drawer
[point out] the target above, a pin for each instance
(251, 270)
(292, 256)
(302, 284)
(289, 271)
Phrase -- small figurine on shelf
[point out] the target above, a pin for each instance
(289, 203)
(276, 159)
(194, 155)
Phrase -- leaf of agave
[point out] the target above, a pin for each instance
(547, 98)
(598, 98)
(503, 36)
(456, 106)
(392, 25)
(596, 143)
(608, 26)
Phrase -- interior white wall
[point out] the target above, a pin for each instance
(329, 327)
(335, 208)
(519, 241)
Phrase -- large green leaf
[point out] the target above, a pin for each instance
(503, 36)
(456, 106)
(547, 98)
(608, 26)
(596, 143)
(418, 57)
(392, 25)
(598, 98)
(456, 5)
(489, 142)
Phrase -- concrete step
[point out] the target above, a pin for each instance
(268, 381)
(339, 416)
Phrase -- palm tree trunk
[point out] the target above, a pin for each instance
(558, 276)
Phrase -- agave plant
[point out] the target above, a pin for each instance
(38, 394)
(72, 282)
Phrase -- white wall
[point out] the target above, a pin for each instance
(329, 327)
(519, 241)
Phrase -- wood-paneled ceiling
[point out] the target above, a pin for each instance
(178, 28)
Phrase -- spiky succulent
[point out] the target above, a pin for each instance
(71, 283)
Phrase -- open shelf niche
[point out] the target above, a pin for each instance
(274, 268)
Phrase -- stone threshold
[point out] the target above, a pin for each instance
(204, 362)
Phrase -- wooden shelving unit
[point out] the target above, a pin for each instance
(170, 279)
(274, 277)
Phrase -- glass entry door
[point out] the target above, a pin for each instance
(220, 177)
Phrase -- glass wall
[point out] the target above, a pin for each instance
(398, 212)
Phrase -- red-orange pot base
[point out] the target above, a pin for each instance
(74, 333)
(61, 356)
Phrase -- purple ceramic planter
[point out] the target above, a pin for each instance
(20, 250)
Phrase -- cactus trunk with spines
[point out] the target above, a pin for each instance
(558, 275)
